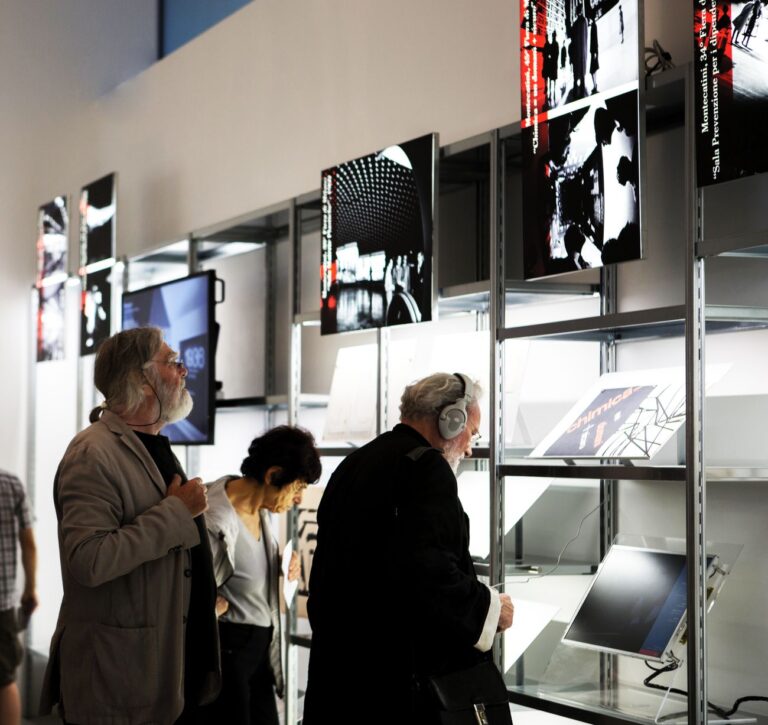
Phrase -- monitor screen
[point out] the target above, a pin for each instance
(635, 604)
(183, 310)
(377, 224)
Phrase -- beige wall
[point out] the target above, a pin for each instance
(242, 117)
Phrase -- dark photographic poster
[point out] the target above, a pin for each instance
(52, 240)
(50, 321)
(97, 221)
(581, 187)
(377, 222)
(96, 310)
(572, 49)
(731, 62)
(183, 310)
(592, 428)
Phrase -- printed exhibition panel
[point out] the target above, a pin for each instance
(580, 134)
(52, 241)
(623, 415)
(377, 227)
(731, 62)
(97, 221)
(96, 310)
(97, 252)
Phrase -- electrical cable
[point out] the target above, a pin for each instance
(719, 711)
(159, 408)
(559, 556)
(657, 59)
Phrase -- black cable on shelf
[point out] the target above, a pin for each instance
(719, 711)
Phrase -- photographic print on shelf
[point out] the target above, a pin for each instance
(377, 226)
(580, 133)
(731, 62)
(52, 242)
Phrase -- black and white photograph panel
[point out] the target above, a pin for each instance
(96, 310)
(376, 266)
(731, 61)
(571, 49)
(50, 321)
(97, 221)
(52, 240)
(581, 188)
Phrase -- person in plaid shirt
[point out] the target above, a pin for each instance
(15, 529)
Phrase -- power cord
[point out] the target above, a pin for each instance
(719, 711)
(657, 59)
(559, 556)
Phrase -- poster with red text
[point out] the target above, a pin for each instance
(580, 134)
(731, 65)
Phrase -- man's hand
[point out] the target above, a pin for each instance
(294, 568)
(193, 494)
(221, 605)
(507, 612)
(28, 602)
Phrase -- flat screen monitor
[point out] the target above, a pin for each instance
(636, 604)
(377, 227)
(184, 310)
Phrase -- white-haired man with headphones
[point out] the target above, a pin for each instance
(393, 595)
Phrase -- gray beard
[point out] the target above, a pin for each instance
(178, 409)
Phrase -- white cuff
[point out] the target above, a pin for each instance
(491, 623)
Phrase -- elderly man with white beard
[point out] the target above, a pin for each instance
(136, 640)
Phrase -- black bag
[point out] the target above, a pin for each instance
(475, 696)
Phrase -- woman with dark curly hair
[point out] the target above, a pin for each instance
(246, 561)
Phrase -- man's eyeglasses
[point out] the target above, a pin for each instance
(178, 364)
(475, 438)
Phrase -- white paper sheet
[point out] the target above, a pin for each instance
(289, 588)
(474, 489)
(529, 620)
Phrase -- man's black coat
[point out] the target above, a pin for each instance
(393, 591)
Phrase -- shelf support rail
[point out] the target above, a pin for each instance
(694, 427)
(496, 392)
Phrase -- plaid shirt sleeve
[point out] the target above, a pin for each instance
(22, 507)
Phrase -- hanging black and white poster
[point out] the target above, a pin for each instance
(580, 134)
(52, 243)
(51, 321)
(52, 240)
(731, 62)
(95, 310)
(377, 222)
(97, 221)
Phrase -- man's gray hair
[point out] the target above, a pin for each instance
(118, 371)
(426, 397)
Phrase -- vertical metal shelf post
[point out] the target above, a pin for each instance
(694, 427)
(496, 392)
(192, 462)
(294, 390)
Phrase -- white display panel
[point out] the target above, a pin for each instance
(474, 488)
(351, 412)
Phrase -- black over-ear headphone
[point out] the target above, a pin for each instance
(453, 417)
